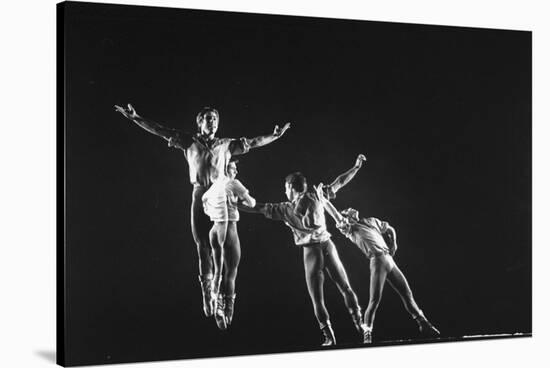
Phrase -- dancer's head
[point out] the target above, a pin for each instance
(295, 184)
(232, 169)
(207, 121)
(351, 213)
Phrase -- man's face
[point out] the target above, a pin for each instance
(209, 123)
(289, 192)
(232, 170)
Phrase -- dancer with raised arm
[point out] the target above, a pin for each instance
(207, 156)
(377, 240)
(304, 214)
(219, 205)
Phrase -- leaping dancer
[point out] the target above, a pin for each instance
(207, 157)
(224, 238)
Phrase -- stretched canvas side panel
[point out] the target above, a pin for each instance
(61, 338)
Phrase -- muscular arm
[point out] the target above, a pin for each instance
(346, 177)
(268, 138)
(329, 207)
(149, 125)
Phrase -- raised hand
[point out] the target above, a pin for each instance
(129, 113)
(359, 161)
(318, 190)
(278, 132)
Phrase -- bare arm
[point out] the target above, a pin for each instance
(269, 138)
(346, 177)
(329, 207)
(333, 212)
(149, 125)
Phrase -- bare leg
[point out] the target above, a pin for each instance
(337, 273)
(378, 273)
(399, 283)
(314, 264)
(200, 227)
(232, 257)
(217, 240)
(315, 279)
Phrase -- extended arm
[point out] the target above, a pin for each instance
(257, 208)
(333, 212)
(149, 125)
(346, 177)
(329, 207)
(269, 138)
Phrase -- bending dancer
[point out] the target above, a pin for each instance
(378, 242)
(224, 238)
(304, 214)
(207, 157)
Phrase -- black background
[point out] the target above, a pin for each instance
(442, 113)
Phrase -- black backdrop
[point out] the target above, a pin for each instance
(443, 115)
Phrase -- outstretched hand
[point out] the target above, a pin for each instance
(129, 113)
(278, 132)
(359, 161)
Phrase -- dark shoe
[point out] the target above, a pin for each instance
(328, 336)
(207, 298)
(219, 314)
(426, 328)
(229, 308)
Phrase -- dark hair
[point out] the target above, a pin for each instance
(204, 111)
(297, 181)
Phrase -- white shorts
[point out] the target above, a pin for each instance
(214, 201)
